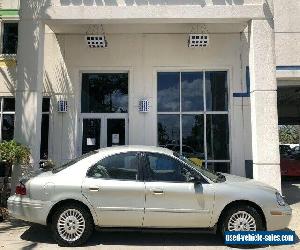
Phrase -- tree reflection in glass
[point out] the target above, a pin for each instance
(104, 93)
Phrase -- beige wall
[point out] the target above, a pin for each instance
(287, 32)
(9, 4)
(66, 55)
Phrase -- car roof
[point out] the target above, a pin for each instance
(119, 149)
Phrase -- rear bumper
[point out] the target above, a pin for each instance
(29, 210)
(279, 218)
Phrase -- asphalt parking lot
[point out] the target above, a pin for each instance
(15, 234)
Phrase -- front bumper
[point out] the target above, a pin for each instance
(278, 218)
(26, 209)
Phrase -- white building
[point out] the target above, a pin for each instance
(217, 103)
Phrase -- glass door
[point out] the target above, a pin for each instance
(116, 132)
(104, 130)
(91, 135)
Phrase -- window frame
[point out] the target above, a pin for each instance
(193, 170)
(139, 167)
(204, 112)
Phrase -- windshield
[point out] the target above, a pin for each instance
(72, 162)
(213, 176)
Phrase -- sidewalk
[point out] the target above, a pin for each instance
(18, 235)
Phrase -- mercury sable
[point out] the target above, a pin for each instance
(145, 188)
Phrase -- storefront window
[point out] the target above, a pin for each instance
(217, 137)
(7, 118)
(216, 91)
(192, 91)
(10, 38)
(168, 92)
(192, 123)
(104, 93)
(45, 129)
(7, 123)
(168, 130)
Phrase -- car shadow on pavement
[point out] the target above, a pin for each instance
(12, 224)
(40, 234)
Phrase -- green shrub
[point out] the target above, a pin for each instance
(13, 152)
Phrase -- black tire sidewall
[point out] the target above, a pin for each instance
(248, 209)
(89, 225)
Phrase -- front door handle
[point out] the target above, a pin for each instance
(94, 189)
(157, 192)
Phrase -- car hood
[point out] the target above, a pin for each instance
(249, 183)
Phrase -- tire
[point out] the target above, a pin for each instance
(72, 225)
(231, 215)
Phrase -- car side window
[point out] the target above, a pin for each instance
(160, 167)
(123, 166)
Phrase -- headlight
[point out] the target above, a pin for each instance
(280, 200)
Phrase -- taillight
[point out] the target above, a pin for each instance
(21, 189)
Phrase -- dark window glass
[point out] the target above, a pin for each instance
(115, 132)
(217, 135)
(216, 91)
(168, 92)
(121, 166)
(193, 136)
(46, 104)
(9, 105)
(192, 91)
(8, 127)
(10, 38)
(91, 135)
(104, 93)
(223, 167)
(44, 137)
(168, 127)
(164, 168)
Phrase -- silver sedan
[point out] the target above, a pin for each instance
(144, 187)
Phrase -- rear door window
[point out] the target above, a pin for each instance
(123, 166)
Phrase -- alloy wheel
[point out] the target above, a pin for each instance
(241, 221)
(71, 225)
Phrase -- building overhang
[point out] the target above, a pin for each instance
(160, 13)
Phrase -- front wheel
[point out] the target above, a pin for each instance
(72, 225)
(241, 218)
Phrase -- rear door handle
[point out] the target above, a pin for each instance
(94, 189)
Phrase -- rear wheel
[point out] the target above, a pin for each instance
(72, 225)
(241, 218)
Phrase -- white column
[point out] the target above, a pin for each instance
(264, 115)
(29, 87)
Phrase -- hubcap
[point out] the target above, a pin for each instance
(71, 225)
(241, 221)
